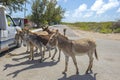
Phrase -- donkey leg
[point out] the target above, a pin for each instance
(43, 53)
(36, 50)
(66, 64)
(90, 62)
(54, 54)
(75, 63)
(31, 52)
(27, 49)
(59, 54)
(91, 66)
(28, 46)
(49, 52)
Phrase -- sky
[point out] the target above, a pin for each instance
(85, 10)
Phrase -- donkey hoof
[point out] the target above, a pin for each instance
(32, 59)
(86, 72)
(58, 59)
(29, 58)
(91, 71)
(52, 59)
(77, 73)
(64, 72)
(40, 61)
(27, 52)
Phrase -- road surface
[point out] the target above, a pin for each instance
(15, 64)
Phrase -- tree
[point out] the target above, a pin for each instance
(13, 5)
(54, 13)
(50, 9)
(46, 12)
(38, 9)
(58, 15)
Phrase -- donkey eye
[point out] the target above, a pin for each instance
(51, 39)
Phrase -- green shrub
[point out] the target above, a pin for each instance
(102, 27)
(117, 30)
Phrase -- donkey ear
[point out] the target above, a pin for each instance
(42, 27)
(47, 26)
(57, 32)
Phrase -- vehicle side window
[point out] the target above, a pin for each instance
(9, 21)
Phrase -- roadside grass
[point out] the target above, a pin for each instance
(102, 27)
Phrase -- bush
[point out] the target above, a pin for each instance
(102, 27)
(117, 30)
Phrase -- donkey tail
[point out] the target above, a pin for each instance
(96, 54)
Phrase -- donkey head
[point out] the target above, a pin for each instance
(53, 39)
(25, 35)
(45, 28)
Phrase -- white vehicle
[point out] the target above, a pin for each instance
(20, 21)
(7, 31)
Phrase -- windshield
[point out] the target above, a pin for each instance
(17, 21)
(10, 21)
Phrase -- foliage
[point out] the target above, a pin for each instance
(102, 27)
(46, 12)
(38, 9)
(116, 26)
(13, 5)
(53, 13)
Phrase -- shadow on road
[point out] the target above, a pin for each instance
(33, 64)
(25, 57)
(79, 77)
(7, 51)
(11, 54)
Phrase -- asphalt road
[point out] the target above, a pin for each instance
(15, 64)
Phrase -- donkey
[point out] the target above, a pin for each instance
(18, 38)
(54, 46)
(50, 32)
(21, 34)
(38, 39)
(74, 47)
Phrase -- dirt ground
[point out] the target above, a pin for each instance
(111, 36)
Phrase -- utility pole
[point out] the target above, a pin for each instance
(25, 10)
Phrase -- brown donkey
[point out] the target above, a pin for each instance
(73, 48)
(51, 32)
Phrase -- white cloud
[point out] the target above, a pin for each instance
(82, 7)
(97, 5)
(118, 10)
(101, 7)
(111, 4)
(89, 14)
(94, 13)
(57, 6)
(79, 10)
(67, 14)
